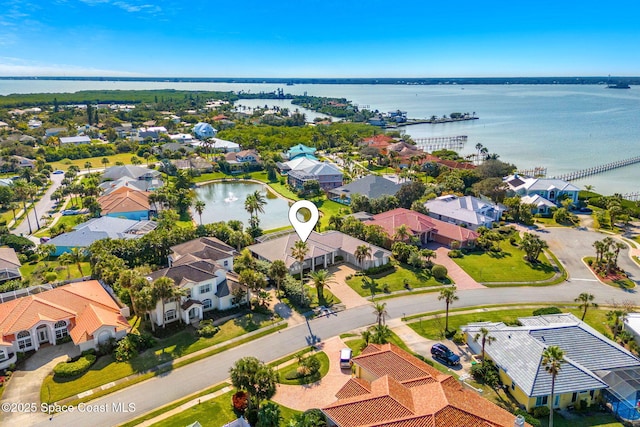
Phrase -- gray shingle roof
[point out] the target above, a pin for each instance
(103, 228)
(371, 186)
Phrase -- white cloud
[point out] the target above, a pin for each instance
(20, 67)
(128, 6)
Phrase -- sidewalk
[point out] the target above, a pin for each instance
(462, 280)
(168, 365)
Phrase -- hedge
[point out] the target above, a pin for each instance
(72, 369)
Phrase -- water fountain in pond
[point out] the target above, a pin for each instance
(230, 198)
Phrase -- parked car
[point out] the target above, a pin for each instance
(44, 239)
(442, 352)
(345, 358)
(57, 172)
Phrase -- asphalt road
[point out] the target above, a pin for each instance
(569, 245)
(43, 206)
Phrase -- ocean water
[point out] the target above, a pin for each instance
(560, 127)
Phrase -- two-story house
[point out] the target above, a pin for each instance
(202, 269)
(541, 192)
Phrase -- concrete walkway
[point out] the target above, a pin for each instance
(321, 393)
(25, 384)
(340, 289)
(457, 274)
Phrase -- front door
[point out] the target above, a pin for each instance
(193, 314)
(43, 334)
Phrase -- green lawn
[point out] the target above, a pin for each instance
(594, 420)
(433, 329)
(214, 413)
(96, 162)
(70, 220)
(27, 269)
(290, 371)
(182, 343)
(507, 266)
(395, 279)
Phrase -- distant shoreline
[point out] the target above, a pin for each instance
(597, 80)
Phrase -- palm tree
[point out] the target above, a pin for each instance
(45, 250)
(66, 259)
(32, 191)
(361, 253)
(380, 310)
(164, 289)
(381, 334)
(253, 280)
(146, 301)
(199, 208)
(77, 256)
(105, 162)
(321, 279)
(552, 359)
(585, 299)
(21, 190)
(615, 316)
(486, 339)
(253, 204)
(366, 338)
(299, 251)
(278, 271)
(449, 296)
(402, 233)
(88, 165)
(133, 280)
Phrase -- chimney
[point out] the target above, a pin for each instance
(519, 421)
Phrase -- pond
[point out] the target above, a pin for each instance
(225, 201)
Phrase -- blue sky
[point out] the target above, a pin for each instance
(329, 38)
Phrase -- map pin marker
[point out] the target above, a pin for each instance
(303, 229)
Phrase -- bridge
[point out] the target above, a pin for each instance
(583, 173)
(441, 142)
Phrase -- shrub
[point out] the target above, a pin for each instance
(528, 418)
(546, 310)
(541, 411)
(455, 253)
(240, 401)
(207, 329)
(72, 369)
(125, 350)
(50, 277)
(439, 272)
(590, 262)
(459, 338)
(380, 269)
(486, 373)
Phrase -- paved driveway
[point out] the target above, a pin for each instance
(43, 206)
(339, 288)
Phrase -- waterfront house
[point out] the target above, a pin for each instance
(9, 265)
(370, 186)
(131, 183)
(106, 227)
(390, 387)
(75, 140)
(202, 268)
(126, 203)
(380, 142)
(325, 249)
(595, 367)
(84, 311)
(243, 159)
(467, 211)
(424, 228)
(550, 189)
(204, 131)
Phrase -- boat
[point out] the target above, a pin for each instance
(618, 86)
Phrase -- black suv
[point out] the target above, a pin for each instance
(442, 352)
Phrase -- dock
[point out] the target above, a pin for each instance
(583, 173)
(411, 122)
(441, 142)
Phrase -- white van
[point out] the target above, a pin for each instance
(345, 358)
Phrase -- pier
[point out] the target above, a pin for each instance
(441, 142)
(583, 173)
(536, 172)
(634, 197)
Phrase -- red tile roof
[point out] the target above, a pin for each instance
(86, 302)
(124, 199)
(413, 402)
(419, 223)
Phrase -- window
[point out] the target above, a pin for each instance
(187, 293)
(205, 288)
(170, 315)
(574, 397)
(226, 263)
(207, 304)
(61, 329)
(513, 385)
(542, 400)
(3, 355)
(24, 340)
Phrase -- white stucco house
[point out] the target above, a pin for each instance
(83, 311)
(550, 189)
(202, 269)
(467, 211)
